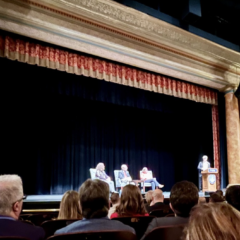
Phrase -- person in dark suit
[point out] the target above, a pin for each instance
(94, 202)
(124, 175)
(11, 201)
(183, 197)
(203, 165)
(158, 203)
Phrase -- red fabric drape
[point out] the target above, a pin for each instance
(24, 51)
(216, 143)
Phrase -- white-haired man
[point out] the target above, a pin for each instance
(124, 175)
(202, 166)
(11, 201)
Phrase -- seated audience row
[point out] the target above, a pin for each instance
(203, 221)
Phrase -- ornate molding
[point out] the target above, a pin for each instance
(111, 14)
(110, 30)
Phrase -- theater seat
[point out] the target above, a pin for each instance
(166, 233)
(104, 235)
(140, 224)
(159, 213)
(52, 226)
(13, 238)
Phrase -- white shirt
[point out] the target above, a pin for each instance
(205, 165)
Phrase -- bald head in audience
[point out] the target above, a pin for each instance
(157, 196)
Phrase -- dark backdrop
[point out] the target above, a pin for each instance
(57, 125)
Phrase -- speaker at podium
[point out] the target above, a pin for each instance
(209, 180)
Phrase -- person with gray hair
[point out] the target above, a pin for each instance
(94, 203)
(202, 166)
(11, 202)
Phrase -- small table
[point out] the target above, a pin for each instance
(139, 181)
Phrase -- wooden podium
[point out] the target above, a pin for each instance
(209, 178)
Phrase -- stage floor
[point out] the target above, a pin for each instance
(42, 203)
(57, 198)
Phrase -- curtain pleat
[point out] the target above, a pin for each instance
(44, 56)
(216, 143)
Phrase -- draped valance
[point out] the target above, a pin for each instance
(52, 57)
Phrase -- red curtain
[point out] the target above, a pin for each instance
(24, 51)
(216, 143)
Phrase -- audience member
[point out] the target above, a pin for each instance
(94, 203)
(115, 200)
(70, 206)
(148, 198)
(158, 202)
(11, 202)
(233, 196)
(219, 192)
(183, 197)
(131, 203)
(202, 200)
(216, 197)
(213, 222)
(100, 174)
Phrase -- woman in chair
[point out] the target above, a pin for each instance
(131, 203)
(100, 174)
(148, 179)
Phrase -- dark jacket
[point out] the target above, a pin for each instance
(12, 227)
(121, 174)
(165, 221)
(95, 224)
(159, 206)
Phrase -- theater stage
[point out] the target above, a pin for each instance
(41, 203)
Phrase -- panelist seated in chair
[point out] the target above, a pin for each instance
(148, 179)
(100, 174)
(124, 175)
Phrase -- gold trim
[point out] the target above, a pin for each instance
(40, 210)
(132, 36)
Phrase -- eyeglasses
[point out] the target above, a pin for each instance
(19, 200)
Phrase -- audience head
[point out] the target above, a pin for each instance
(114, 198)
(201, 200)
(124, 167)
(213, 221)
(145, 170)
(205, 158)
(94, 198)
(183, 196)
(148, 196)
(11, 195)
(157, 196)
(219, 192)
(233, 196)
(215, 197)
(131, 201)
(70, 206)
(100, 166)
